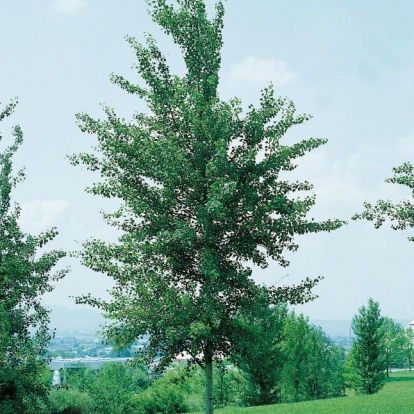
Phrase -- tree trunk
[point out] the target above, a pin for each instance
(209, 381)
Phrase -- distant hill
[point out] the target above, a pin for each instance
(333, 328)
(69, 320)
(66, 320)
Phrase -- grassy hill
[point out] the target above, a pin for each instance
(397, 397)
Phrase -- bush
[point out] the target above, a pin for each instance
(69, 401)
(111, 388)
(163, 397)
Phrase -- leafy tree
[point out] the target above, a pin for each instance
(401, 356)
(393, 342)
(112, 388)
(325, 366)
(401, 215)
(166, 395)
(313, 364)
(201, 196)
(259, 351)
(368, 352)
(408, 346)
(296, 351)
(230, 385)
(25, 275)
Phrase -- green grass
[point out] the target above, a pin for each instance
(397, 397)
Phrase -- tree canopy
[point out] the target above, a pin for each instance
(25, 275)
(201, 197)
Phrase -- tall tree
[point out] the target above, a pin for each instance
(258, 352)
(393, 342)
(25, 275)
(408, 346)
(297, 339)
(325, 364)
(400, 215)
(201, 196)
(312, 365)
(368, 351)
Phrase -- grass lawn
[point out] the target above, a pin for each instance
(397, 397)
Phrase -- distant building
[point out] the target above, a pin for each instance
(56, 378)
(75, 363)
(182, 358)
(411, 325)
(61, 364)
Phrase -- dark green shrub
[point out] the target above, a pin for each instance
(69, 401)
(163, 397)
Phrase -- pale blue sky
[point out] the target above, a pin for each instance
(348, 63)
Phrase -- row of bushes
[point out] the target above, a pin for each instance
(123, 389)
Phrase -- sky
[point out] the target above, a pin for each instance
(348, 63)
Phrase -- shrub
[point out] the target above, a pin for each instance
(163, 397)
(69, 401)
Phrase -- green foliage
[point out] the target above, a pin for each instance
(408, 346)
(313, 367)
(112, 388)
(163, 397)
(325, 364)
(368, 349)
(25, 275)
(401, 215)
(258, 352)
(69, 401)
(393, 342)
(287, 359)
(230, 385)
(296, 350)
(395, 398)
(183, 389)
(201, 197)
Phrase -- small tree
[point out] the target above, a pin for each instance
(296, 347)
(24, 277)
(230, 385)
(368, 353)
(313, 364)
(393, 342)
(258, 352)
(325, 364)
(408, 346)
(201, 197)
